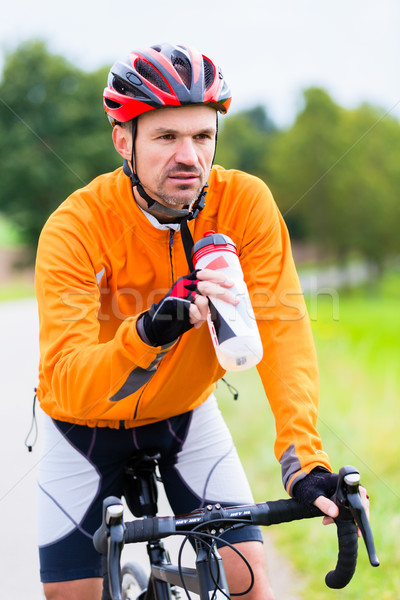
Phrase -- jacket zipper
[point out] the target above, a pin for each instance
(171, 243)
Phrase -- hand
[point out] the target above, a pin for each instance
(211, 284)
(317, 488)
(183, 307)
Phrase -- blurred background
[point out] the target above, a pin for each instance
(316, 115)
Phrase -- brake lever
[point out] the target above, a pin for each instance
(348, 499)
(116, 531)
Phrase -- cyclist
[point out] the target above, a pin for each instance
(125, 361)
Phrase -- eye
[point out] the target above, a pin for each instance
(203, 136)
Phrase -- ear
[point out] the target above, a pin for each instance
(122, 139)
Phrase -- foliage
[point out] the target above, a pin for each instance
(9, 235)
(244, 142)
(368, 182)
(53, 134)
(335, 175)
(301, 162)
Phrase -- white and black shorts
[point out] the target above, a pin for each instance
(80, 466)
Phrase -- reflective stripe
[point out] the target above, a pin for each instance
(136, 379)
(290, 465)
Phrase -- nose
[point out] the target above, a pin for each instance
(186, 152)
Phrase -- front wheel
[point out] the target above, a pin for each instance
(134, 581)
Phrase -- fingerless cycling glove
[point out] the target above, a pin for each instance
(319, 482)
(166, 320)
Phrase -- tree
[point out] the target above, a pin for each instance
(53, 134)
(336, 178)
(302, 161)
(369, 179)
(245, 140)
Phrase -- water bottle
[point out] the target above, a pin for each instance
(233, 329)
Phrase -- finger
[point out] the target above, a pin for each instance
(197, 315)
(202, 304)
(215, 276)
(326, 506)
(364, 499)
(216, 290)
(365, 502)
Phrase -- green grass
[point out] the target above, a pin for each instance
(16, 290)
(357, 341)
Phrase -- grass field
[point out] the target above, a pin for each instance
(16, 290)
(358, 350)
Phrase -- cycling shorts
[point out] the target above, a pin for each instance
(80, 466)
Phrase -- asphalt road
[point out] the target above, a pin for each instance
(19, 567)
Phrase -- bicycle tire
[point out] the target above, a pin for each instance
(134, 581)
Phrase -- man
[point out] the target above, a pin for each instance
(126, 362)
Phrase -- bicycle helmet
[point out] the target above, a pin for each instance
(160, 76)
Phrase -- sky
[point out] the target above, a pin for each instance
(269, 51)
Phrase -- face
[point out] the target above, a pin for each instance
(174, 150)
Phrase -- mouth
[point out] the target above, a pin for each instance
(184, 175)
(184, 178)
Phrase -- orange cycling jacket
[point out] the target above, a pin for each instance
(101, 263)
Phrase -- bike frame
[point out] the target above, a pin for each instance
(199, 580)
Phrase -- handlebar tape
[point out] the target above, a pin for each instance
(282, 511)
(347, 559)
(143, 530)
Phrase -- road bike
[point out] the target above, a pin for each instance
(204, 527)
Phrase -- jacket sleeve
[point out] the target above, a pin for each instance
(288, 369)
(83, 376)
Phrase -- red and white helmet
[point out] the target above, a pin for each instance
(160, 76)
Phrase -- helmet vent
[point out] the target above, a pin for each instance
(151, 74)
(183, 68)
(209, 73)
(112, 104)
(124, 87)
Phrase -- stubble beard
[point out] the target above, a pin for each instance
(176, 200)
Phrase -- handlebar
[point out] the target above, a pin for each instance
(215, 519)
